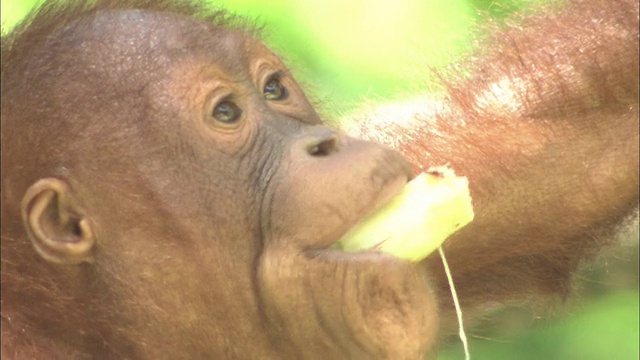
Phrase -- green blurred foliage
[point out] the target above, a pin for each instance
(603, 329)
(13, 11)
(349, 52)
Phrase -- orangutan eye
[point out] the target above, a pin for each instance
(227, 113)
(274, 90)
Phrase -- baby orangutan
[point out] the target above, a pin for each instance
(168, 192)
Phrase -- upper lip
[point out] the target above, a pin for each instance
(386, 193)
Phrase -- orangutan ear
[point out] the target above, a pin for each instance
(56, 226)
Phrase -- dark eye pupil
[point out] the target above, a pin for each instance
(227, 112)
(274, 90)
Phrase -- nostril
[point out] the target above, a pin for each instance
(324, 147)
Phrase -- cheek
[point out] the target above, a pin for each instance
(162, 279)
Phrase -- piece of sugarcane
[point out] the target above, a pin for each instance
(413, 224)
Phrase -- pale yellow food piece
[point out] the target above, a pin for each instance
(428, 210)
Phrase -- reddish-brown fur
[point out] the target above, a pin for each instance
(545, 127)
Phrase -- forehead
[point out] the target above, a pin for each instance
(167, 37)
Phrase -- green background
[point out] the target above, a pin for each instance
(350, 52)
